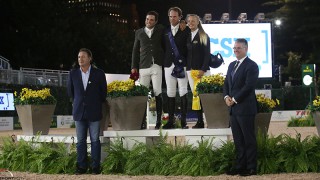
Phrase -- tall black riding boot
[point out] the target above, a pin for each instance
(200, 123)
(172, 107)
(184, 108)
(159, 110)
(144, 121)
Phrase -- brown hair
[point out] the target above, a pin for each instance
(86, 51)
(155, 14)
(176, 9)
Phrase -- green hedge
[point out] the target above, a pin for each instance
(281, 154)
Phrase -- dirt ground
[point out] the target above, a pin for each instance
(276, 128)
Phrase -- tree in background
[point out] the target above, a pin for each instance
(298, 32)
(46, 34)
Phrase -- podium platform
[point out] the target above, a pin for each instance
(175, 136)
(131, 137)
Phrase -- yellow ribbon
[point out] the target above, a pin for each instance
(195, 99)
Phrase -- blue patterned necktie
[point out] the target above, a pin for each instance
(234, 69)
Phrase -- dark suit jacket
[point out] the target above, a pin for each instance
(198, 54)
(144, 48)
(180, 40)
(87, 104)
(242, 87)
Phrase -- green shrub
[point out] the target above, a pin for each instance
(301, 121)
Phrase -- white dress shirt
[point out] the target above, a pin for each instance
(85, 77)
(174, 29)
(148, 31)
(193, 34)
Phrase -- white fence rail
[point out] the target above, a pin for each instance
(34, 76)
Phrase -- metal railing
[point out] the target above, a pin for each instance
(34, 76)
(4, 63)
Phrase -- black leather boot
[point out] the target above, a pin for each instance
(172, 106)
(144, 121)
(184, 108)
(159, 110)
(200, 123)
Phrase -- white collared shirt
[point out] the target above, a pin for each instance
(174, 29)
(85, 77)
(193, 34)
(148, 31)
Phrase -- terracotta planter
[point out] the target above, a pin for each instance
(35, 118)
(215, 110)
(316, 118)
(126, 113)
(262, 122)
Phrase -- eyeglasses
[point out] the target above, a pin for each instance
(237, 48)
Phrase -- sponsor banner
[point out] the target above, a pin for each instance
(223, 36)
(64, 121)
(6, 123)
(286, 115)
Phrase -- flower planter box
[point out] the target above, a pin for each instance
(35, 118)
(215, 110)
(262, 122)
(126, 113)
(316, 118)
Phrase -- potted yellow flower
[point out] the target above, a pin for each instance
(210, 90)
(35, 109)
(127, 102)
(263, 118)
(315, 111)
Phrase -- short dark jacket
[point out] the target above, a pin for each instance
(144, 48)
(198, 54)
(242, 87)
(180, 39)
(87, 104)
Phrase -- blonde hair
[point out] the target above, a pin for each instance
(202, 33)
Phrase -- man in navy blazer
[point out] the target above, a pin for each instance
(87, 88)
(239, 95)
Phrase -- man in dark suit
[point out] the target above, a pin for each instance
(239, 95)
(147, 58)
(87, 87)
(173, 60)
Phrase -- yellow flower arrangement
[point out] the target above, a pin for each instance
(211, 84)
(125, 88)
(315, 106)
(34, 97)
(266, 104)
